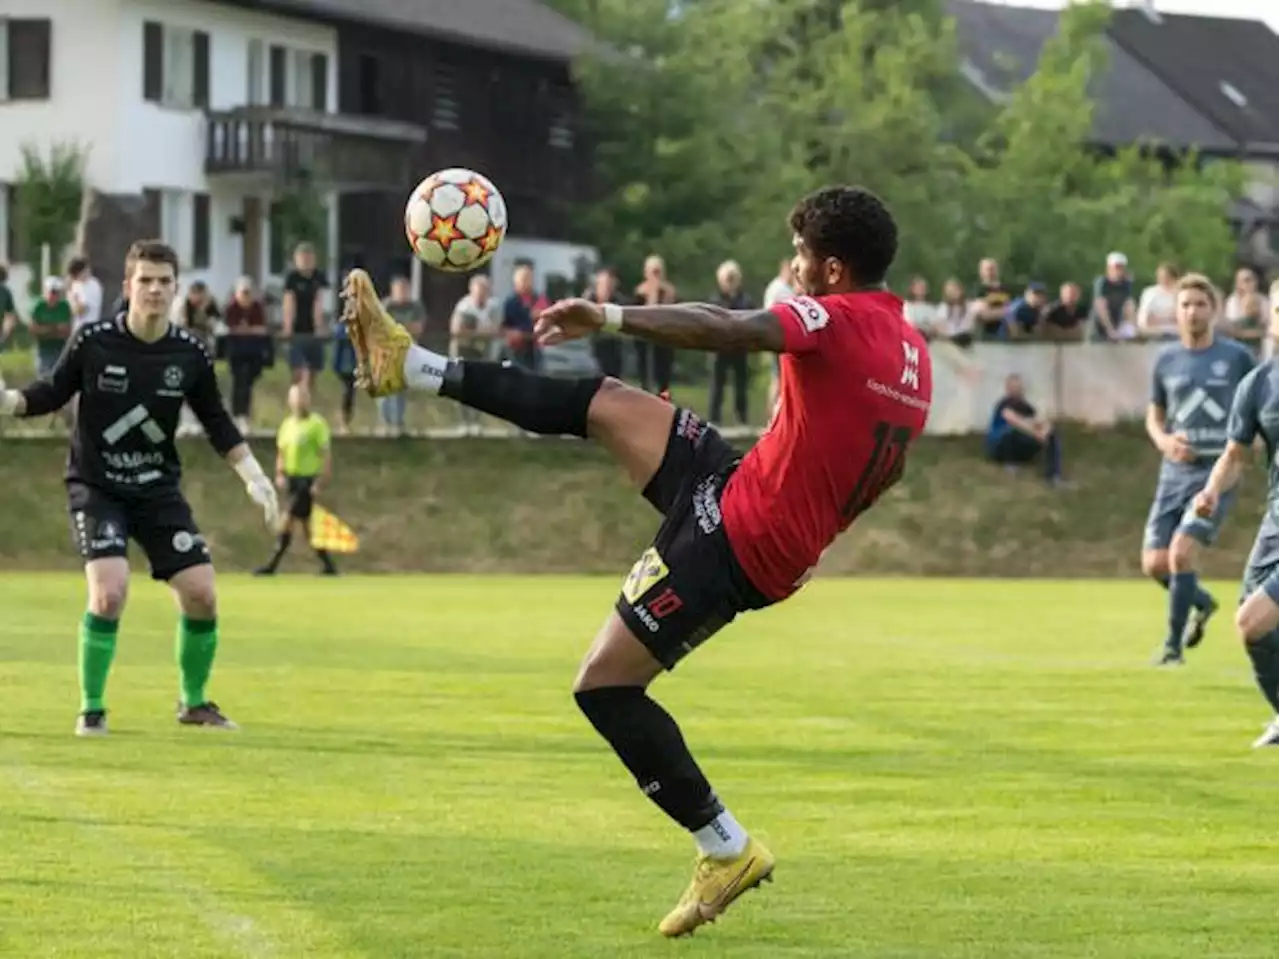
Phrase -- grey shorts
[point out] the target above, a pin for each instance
(1172, 510)
(1260, 569)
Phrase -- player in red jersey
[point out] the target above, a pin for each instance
(738, 532)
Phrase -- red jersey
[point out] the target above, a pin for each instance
(855, 391)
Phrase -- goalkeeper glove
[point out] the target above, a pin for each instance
(260, 489)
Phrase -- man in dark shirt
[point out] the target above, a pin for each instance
(729, 363)
(607, 346)
(134, 372)
(1065, 318)
(303, 314)
(990, 298)
(1022, 319)
(518, 310)
(1017, 435)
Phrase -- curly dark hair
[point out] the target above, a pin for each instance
(851, 224)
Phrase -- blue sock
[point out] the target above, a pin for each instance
(1202, 600)
(1182, 594)
(1265, 654)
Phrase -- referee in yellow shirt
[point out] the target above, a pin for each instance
(304, 462)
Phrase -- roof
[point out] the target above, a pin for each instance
(1225, 68)
(1000, 47)
(519, 26)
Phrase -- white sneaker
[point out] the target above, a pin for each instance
(1270, 736)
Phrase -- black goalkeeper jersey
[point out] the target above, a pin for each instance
(131, 395)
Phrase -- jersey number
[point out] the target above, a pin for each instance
(883, 469)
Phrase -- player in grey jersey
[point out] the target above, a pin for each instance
(1192, 387)
(1254, 415)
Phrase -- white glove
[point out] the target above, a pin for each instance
(260, 489)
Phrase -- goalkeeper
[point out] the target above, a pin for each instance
(304, 463)
(133, 373)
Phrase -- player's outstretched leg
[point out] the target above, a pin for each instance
(197, 644)
(108, 580)
(1256, 621)
(611, 690)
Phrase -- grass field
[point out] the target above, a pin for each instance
(945, 769)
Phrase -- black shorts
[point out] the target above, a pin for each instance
(688, 584)
(300, 498)
(102, 525)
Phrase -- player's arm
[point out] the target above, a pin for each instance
(48, 396)
(705, 326)
(1242, 429)
(205, 400)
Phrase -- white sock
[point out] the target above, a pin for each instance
(722, 838)
(424, 370)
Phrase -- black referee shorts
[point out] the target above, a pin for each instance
(687, 585)
(300, 497)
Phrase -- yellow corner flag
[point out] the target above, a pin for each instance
(330, 533)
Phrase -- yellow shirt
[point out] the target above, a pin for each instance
(303, 442)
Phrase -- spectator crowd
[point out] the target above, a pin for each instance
(246, 332)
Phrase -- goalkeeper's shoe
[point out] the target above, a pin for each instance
(381, 344)
(716, 884)
(92, 722)
(206, 714)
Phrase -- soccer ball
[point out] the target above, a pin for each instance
(455, 220)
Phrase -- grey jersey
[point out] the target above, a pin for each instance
(1255, 412)
(1195, 388)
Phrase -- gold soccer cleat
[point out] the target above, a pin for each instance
(381, 343)
(716, 884)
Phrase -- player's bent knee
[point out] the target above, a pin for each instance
(1257, 618)
(196, 592)
(1155, 563)
(107, 600)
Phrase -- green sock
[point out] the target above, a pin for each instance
(97, 648)
(197, 643)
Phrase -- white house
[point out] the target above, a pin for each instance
(193, 112)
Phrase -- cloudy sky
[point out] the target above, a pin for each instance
(1267, 12)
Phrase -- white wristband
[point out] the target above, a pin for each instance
(612, 318)
(249, 470)
(9, 400)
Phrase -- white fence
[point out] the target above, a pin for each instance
(1096, 383)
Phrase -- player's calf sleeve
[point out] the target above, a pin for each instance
(1264, 652)
(539, 404)
(197, 644)
(650, 745)
(97, 649)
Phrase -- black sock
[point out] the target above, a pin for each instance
(648, 742)
(1265, 654)
(539, 404)
(282, 547)
(1201, 601)
(325, 559)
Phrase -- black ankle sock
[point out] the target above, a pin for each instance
(539, 404)
(325, 559)
(650, 745)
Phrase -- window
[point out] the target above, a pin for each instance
(275, 247)
(279, 92)
(175, 66)
(174, 226)
(318, 67)
(444, 114)
(256, 79)
(370, 86)
(201, 240)
(25, 49)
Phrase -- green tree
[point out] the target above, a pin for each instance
(47, 198)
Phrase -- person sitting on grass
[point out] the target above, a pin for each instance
(1017, 435)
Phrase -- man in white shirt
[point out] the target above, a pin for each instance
(1157, 308)
(85, 293)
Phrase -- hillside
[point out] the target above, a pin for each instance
(481, 505)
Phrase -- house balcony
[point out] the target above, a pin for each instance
(335, 151)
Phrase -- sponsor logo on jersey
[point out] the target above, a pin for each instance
(809, 311)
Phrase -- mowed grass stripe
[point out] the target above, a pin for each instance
(945, 769)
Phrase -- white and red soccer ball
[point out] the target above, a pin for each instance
(455, 220)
